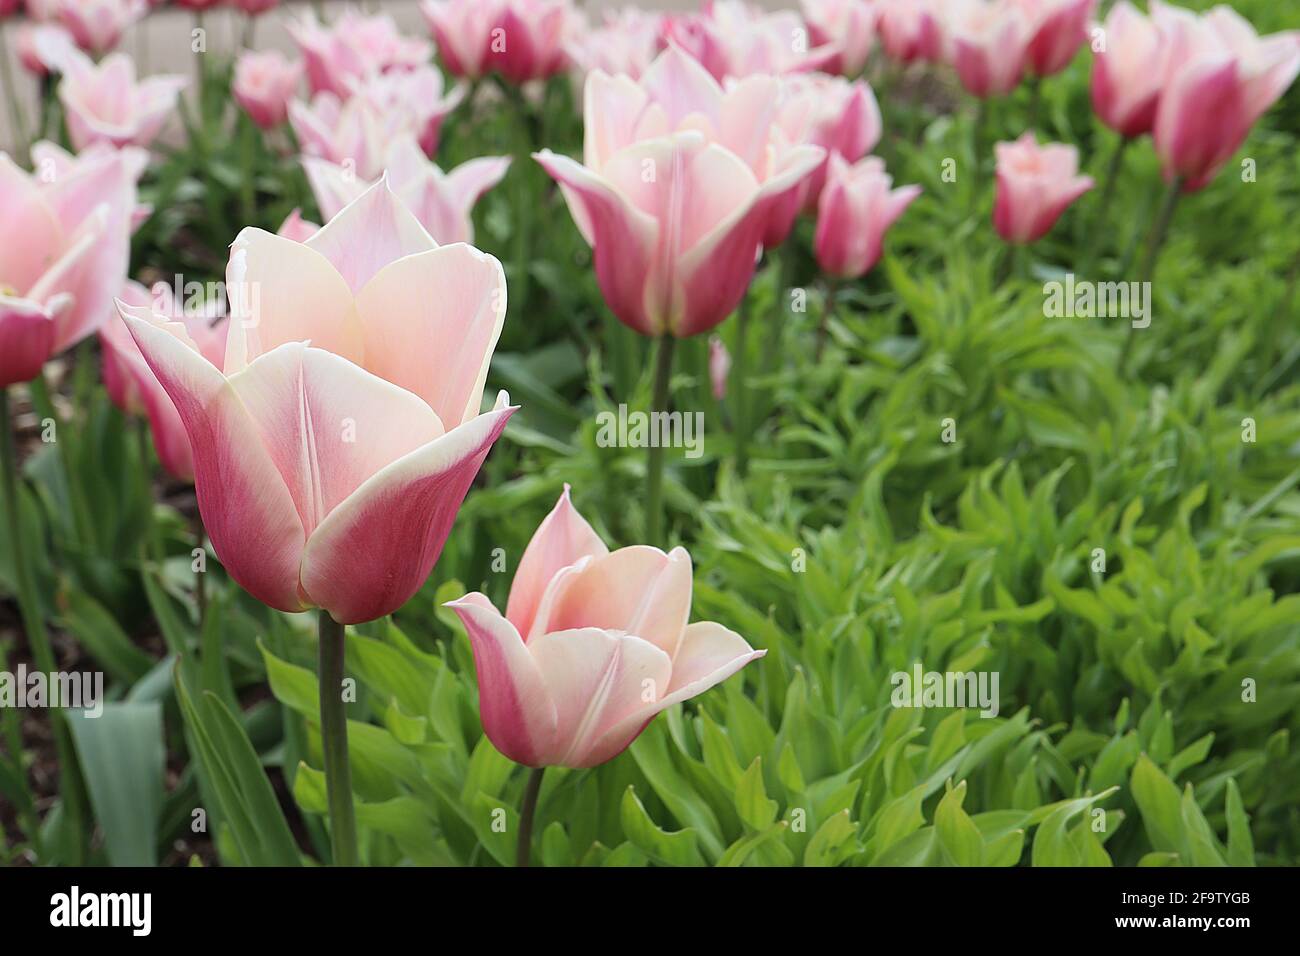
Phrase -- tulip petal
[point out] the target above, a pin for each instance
(374, 550)
(519, 716)
(431, 322)
(597, 679)
(332, 185)
(246, 506)
(563, 538)
(369, 233)
(26, 339)
(25, 213)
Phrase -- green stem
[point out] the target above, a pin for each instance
(828, 310)
(654, 480)
(524, 848)
(200, 579)
(30, 822)
(16, 118)
(38, 639)
(740, 387)
(1156, 239)
(1035, 100)
(1113, 170)
(334, 742)
(977, 148)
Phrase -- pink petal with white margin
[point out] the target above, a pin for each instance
(562, 539)
(26, 339)
(710, 653)
(25, 213)
(375, 550)
(518, 714)
(369, 233)
(597, 680)
(431, 322)
(246, 507)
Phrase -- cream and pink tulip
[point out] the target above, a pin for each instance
(97, 25)
(849, 26)
(594, 643)
(353, 47)
(105, 103)
(856, 209)
(1128, 71)
(442, 202)
(57, 283)
(987, 42)
(1035, 185)
(521, 40)
(334, 446)
(1057, 28)
(909, 30)
(263, 84)
(625, 42)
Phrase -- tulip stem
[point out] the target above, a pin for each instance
(1155, 239)
(16, 118)
(828, 310)
(334, 742)
(741, 389)
(523, 849)
(1103, 204)
(29, 607)
(654, 480)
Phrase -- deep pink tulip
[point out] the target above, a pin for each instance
(1035, 185)
(334, 447)
(263, 85)
(987, 41)
(441, 201)
(857, 207)
(57, 283)
(1057, 28)
(910, 30)
(9, 7)
(592, 646)
(354, 46)
(1220, 77)
(97, 25)
(680, 183)
(847, 25)
(626, 42)
(1127, 74)
(104, 103)
(255, 8)
(133, 387)
(520, 39)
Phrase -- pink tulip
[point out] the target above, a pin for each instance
(847, 25)
(42, 11)
(987, 46)
(197, 6)
(354, 47)
(719, 367)
(1127, 73)
(1057, 28)
(910, 30)
(9, 7)
(336, 443)
(263, 85)
(414, 101)
(592, 646)
(255, 7)
(297, 228)
(440, 201)
(681, 181)
(349, 133)
(1220, 77)
(731, 38)
(57, 281)
(1035, 185)
(51, 161)
(97, 25)
(43, 48)
(104, 103)
(133, 387)
(520, 39)
(626, 42)
(857, 207)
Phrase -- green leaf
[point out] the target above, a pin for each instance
(958, 836)
(673, 849)
(752, 802)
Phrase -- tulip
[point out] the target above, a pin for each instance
(1220, 77)
(43, 47)
(104, 103)
(592, 646)
(51, 161)
(856, 208)
(263, 85)
(57, 282)
(1035, 185)
(353, 47)
(440, 201)
(1057, 28)
(97, 25)
(626, 42)
(255, 7)
(134, 389)
(1127, 72)
(909, 30)
(731, 38)
(345, 132)
(9, 7)
(520, 39)
(198, 6)
(987, 46)
(676, 144)
(847, 25)
(333, 448)
(719, 367)
(297, 228)
(414, 101)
